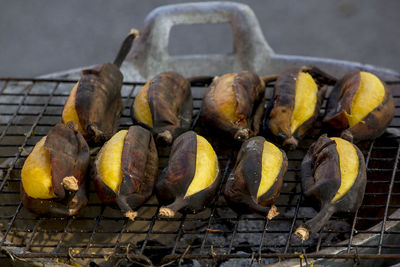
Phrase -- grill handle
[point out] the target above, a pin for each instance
(250, 50)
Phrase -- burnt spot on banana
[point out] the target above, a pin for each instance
(333, 176)
(234, 104)
(191, 178)
(95, 102)
(256, 180)
(126, 169)
(297, 98)
(360, 107)
(53, 178)
(164, 105)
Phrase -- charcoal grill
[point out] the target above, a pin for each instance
(29, 107)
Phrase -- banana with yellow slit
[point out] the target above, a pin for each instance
(333, 175)
(125, 170)
(360, 106)
(234, 104)
(165, 106)
(298, 94)
(192, 176)
(53, 178)
(256, 180)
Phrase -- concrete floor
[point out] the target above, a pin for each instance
(45, 36)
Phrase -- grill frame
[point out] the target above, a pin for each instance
(24, 106)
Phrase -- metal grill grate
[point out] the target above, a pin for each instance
(30, 107)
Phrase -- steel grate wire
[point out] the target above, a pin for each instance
(213, 236)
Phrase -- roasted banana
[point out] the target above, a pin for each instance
(360, 106)
(298, 94)
(256, 180)
(95, 102)
(333, 174)
(234, 104)
(165, 106)
(53, 178)
(191, 179)
(125, 170)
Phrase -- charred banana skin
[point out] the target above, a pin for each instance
(139, 165)
(342, 96)
(242, 185)
(171, 105)
(174, 180)
(279, 112)
(320, 180)
(250, 96)
(69, 156)
(99, 103)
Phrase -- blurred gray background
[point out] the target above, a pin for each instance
(45, 36)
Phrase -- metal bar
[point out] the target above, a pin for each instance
(238, 218)
(296, 212)
(98, 219)
(224, 175)
(28, 245)
(153, 221)
(319, 239)
(288, 256)
(355, 215)
(225, 257)
(186, 232)
(263, 236)
(4, 87)
(11, 224)
(23, 79)
(178, 236)
(353, 226)
(388, 201)
(120, 235)
(157, 247)
(57, 248)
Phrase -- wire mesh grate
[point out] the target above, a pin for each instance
(30, 107)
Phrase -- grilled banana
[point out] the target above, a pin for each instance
(95, 102)
(256, 180)
(298, 94)
(126, 170)
(333, 174)
(164, 105)
(53, 178)
(360, 106)
(191, 178)
(234, 104)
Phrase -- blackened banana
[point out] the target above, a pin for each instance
(125, 170)
(256, 180)
(165, 106)
(191, 179)
(53, 178)
(360, 106)
(333, 174)
(234, 104)
(298, 94)
(95, 102)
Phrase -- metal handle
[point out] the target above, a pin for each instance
(250, 49)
